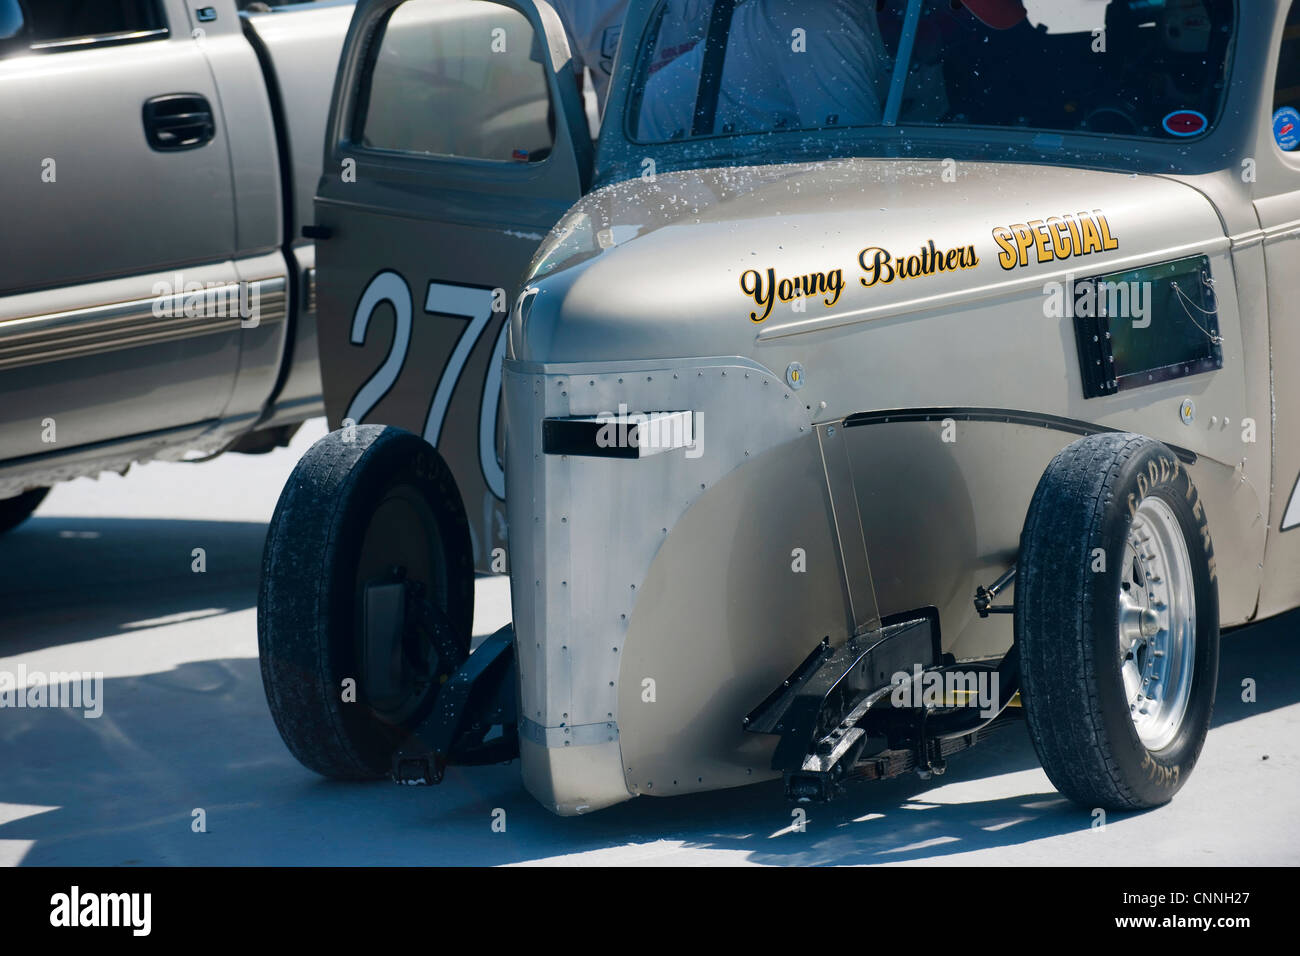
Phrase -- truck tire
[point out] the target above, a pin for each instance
(358, 507)
(14, 511)
(1117, 622)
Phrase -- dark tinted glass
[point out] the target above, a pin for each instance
(1150, 68)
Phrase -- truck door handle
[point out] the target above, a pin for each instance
(178, 121)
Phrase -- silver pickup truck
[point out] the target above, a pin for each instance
(157, 298)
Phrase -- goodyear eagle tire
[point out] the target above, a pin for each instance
(351, 512)
(14, 511)
(1117, 622)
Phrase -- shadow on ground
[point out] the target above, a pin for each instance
(58, 574)
(121, 789)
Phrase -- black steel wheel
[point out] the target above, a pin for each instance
(368, 519)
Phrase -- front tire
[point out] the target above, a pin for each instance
(356, 508)
(1117, 622)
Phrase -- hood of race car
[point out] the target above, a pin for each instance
(714, 262)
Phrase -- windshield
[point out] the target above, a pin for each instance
(1155, 69)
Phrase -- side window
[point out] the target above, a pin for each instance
(1286, 88)
(50, 26)
(462, 79)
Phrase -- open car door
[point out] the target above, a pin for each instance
(456, 140)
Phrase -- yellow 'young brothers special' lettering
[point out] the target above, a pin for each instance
(881, 267)
(766, 290)
(1057, 237)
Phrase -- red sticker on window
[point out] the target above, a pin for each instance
(1185, 123)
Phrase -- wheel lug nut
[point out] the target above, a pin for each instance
(1148, 623)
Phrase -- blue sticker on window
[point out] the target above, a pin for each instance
(1286, 128)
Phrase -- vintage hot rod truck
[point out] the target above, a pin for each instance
(888, 360)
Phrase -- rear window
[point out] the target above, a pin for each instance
(1148, 68)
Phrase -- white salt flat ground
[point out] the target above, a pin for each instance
(100, 580)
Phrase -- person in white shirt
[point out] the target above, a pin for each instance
(594, 28)
(789, 63)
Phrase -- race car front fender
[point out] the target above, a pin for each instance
(635, 672)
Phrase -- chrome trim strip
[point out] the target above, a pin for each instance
(1283, 230)
(1245, 240)
(36, 339)
(1005, 416)
(103, 39)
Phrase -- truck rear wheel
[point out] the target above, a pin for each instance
(1117, 622)
(14, 511)
(361, 511)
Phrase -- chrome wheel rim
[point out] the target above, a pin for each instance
(1157, 624)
